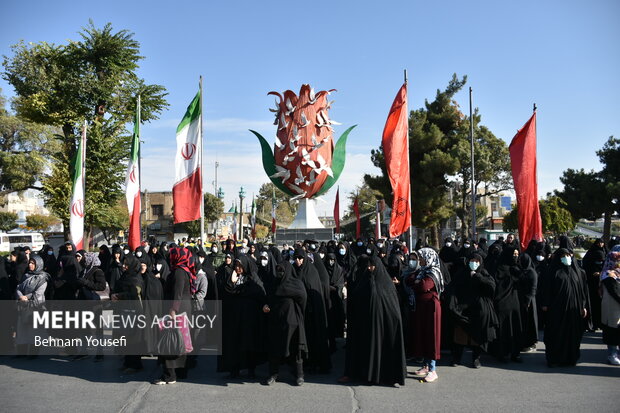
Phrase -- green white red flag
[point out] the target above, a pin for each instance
(132, 184)
(187, 189)
(76, 210)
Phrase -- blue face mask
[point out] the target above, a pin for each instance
(566, 260)
(342, 251)
(413, 264)
(473, 265)
(360, 243)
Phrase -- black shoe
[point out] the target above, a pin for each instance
(516, 359)
(476, 364)
(271, 380)
(455, 363)
(299, 381)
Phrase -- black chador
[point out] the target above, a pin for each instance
(285, 308)
(375, 349)
(315, 313)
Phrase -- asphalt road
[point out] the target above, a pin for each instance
(58, 385)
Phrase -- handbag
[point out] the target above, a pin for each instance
(171, 342)
(103, 295)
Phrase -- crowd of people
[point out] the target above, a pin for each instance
(290, 304)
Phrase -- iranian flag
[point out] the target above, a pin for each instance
(132, 184)
(76, 211)
(187, 189)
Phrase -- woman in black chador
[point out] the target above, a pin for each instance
(336, 316)
(285, 307)
(470, 305)
(507, 305)
(528, 284)
(375, 351)
(243, 297)
(315, 314)
(564, 300)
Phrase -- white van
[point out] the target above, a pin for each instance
(9, 241)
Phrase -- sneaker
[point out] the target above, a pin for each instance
(431, 377)
(476, 363)
(423, 372)
(271, 380)
(299, 381)
(613, 360)
(161, 382)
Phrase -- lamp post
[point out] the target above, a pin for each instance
(241, 196)
(220, 195)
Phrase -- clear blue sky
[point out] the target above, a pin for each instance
(561, 54)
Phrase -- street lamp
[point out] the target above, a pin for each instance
(241, 196)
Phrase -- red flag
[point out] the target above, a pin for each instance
(337, 211)
(356, 209)
(396, 149)
(523, 163)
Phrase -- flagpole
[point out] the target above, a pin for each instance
(84, 181)
(202, 197)
(409, 177)
(473, 179)
(139, 119)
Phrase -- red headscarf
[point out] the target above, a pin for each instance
(182, 258)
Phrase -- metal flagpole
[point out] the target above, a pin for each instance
(473, 178)
(202, 197)
(410, 226)
(138, 120)
(83, 154)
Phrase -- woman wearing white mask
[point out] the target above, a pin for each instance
(470, 307)
(564, 300)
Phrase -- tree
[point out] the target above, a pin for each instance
(366, 199)
(40, 223)
(553, 213)
(285, 209)
(262, 231)
(590, 195)
(113, 219)
(25, 149)
(491, 167)
(214, 207)
(93, 80)
(8, 221)
(433, 136)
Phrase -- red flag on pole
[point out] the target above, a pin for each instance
(356, 209)
(337, 211)
(523, 163)
(396, 150)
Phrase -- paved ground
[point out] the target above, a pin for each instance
(57, 385)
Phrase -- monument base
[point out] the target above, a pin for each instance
(306, 216)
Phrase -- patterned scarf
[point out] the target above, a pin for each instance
(182, 258)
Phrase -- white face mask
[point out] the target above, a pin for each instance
(292, 261)
(540, 258)
(201, 259)
(566, 260)
(126, 252)
(368, 251)
(380, 245)
(342, 251)
(158, 266)
(321, 255)
(413, 264)
(466, 245)
(214, 250)
(448, 244)
(139, 254)
(473, 265)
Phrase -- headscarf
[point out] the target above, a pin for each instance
(90, 260)
(432, 268)
(612, 262)
(182, 258)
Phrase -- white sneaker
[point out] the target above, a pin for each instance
(614, 360)
(431, 377)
